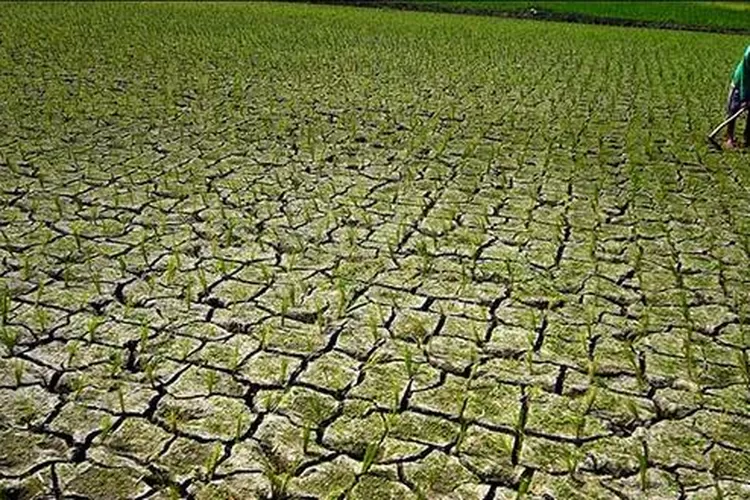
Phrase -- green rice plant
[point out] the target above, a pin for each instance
(417, 330)
(412, 369)
(593, 365)
(465, 277)
(263, 333)
(173, 265)
(296, 292)
(72, 349)
(267, 273)
(202, 280)
(187, 293)
(476, 241)
(183, 347)
(142, 247)
(35, 200)
(745, 243)
(273, 400)
(239, 423)
(47, 239)
(685, 310)
(476, 335)
(39, 294)
(96, 278)
(524, 484)
(121, 264)
(278, 475)
(210, 379)
(511, 275)
(285, 304)
(173, 492)
(642, 457)
(235, 358)
(744, 365)
(94, 212)
(212, 461)
(519, 426)
(689, 354)
(390, 418)
(151, 367)
(588, 403)
(644, 323)
(373, 322)
(351, 236)
(593, 245)
(292, 259)
(93, 325)
(26, 271)
(222, 267)
(173, 418)
(342, 295)
(367, 219)
(114, 362)
(59, 207)
(371, 454)
(130, 303)
(320, 319)
(283, 371)
(461, 435)
(67, 275)
(483, 223)
(229, 237)
(633, 409)
(392, 252)
(121, 397)
(77, 237)
(309, 347)
(9, 338)
(18, 370)
(529, 354)
(426, 259)
(306, 436)
(5, 304)
(105, 426)
(144, 333)
(372, 361)
(630, 352)
(78, 384)
(399, 235)
(27, 411)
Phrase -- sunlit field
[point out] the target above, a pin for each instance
(289, 251)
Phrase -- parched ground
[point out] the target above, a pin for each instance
(265, 250)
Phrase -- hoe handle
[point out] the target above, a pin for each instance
(725, 122)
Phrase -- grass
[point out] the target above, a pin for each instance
(708, 15)
(723, 17)
(461, 229)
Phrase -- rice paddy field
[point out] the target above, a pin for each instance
(288, 251)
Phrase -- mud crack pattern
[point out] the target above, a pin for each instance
(255, 251)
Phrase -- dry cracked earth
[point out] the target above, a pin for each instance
(231, 306)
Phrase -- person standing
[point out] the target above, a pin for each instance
(739, 95)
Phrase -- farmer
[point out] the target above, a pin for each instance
(739, 94)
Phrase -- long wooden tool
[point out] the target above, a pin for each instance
(712, 135)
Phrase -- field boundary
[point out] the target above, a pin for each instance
(527, 13)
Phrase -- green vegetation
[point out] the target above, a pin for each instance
(712, 16)
(266, 250)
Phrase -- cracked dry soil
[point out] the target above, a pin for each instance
(318, 252)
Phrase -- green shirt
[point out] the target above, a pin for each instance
(741, 76)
